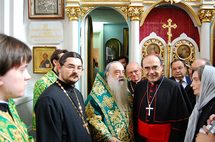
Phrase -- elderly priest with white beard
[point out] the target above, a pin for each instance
(108, 107)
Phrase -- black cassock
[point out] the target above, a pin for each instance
(57, 119)
(168, 105)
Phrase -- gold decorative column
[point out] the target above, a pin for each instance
(72, 33)
(206, 16)
(135, 14)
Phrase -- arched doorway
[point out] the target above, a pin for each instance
(101, 25)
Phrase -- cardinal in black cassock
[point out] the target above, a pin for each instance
(160, 112)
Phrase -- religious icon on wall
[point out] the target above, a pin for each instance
(113, 48)
(46, 9)
(183, 51)
(45, 62)
(153, 49)
(41, 59)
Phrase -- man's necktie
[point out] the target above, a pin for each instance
(180, 82)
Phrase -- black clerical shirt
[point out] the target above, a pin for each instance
(56, 118)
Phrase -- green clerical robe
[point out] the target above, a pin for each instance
(104, 116)
(40, 85)
(12, 129)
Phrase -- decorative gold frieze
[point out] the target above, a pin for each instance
(135, 12)
(172, 1)
(206, 15)
(104, 0)
(85, 10)
(124, 11)
(192, 0)
(73, 13)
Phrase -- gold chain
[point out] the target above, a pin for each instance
(79, 109)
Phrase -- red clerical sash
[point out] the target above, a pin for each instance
(154, 132)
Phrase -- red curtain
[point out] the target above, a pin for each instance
(159, 16)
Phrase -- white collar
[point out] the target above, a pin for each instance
(4, 102)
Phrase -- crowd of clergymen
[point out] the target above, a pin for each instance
(123, 105)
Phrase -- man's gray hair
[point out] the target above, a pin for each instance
(109, 66)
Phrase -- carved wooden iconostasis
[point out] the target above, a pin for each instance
(168, 19)
(171, 37)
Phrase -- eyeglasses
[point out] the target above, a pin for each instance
(73, 67)
(154, 68)
(134, 71)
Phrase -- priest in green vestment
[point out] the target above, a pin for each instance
(14, 59)
(108, 106)
(45, 81)
(12, 127)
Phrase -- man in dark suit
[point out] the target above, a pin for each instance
(179, 71)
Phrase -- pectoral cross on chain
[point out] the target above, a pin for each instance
(149, 108)
(86, 127)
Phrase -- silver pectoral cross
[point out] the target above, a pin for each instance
(149, 108)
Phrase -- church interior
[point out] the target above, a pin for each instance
(103, 30)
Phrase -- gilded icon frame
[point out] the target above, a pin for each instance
(183, 51)
(42, 9)
(41, 65)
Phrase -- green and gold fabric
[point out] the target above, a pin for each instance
(104, 116)
(12, 129)
(40, 85)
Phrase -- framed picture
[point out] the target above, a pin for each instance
(184, 51)
(46, 9)
(113, 48)
(153, 49)
(41, 59)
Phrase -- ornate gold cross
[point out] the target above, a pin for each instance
(169, 26)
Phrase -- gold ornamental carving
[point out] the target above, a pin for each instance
(153, 46)
(206, 15)
(172, 1)
(73, 13)
(104, 0)
(124, 11)
(85, 10)
(135, 12)
(169, 27)
(184, 50)
(192, 0)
